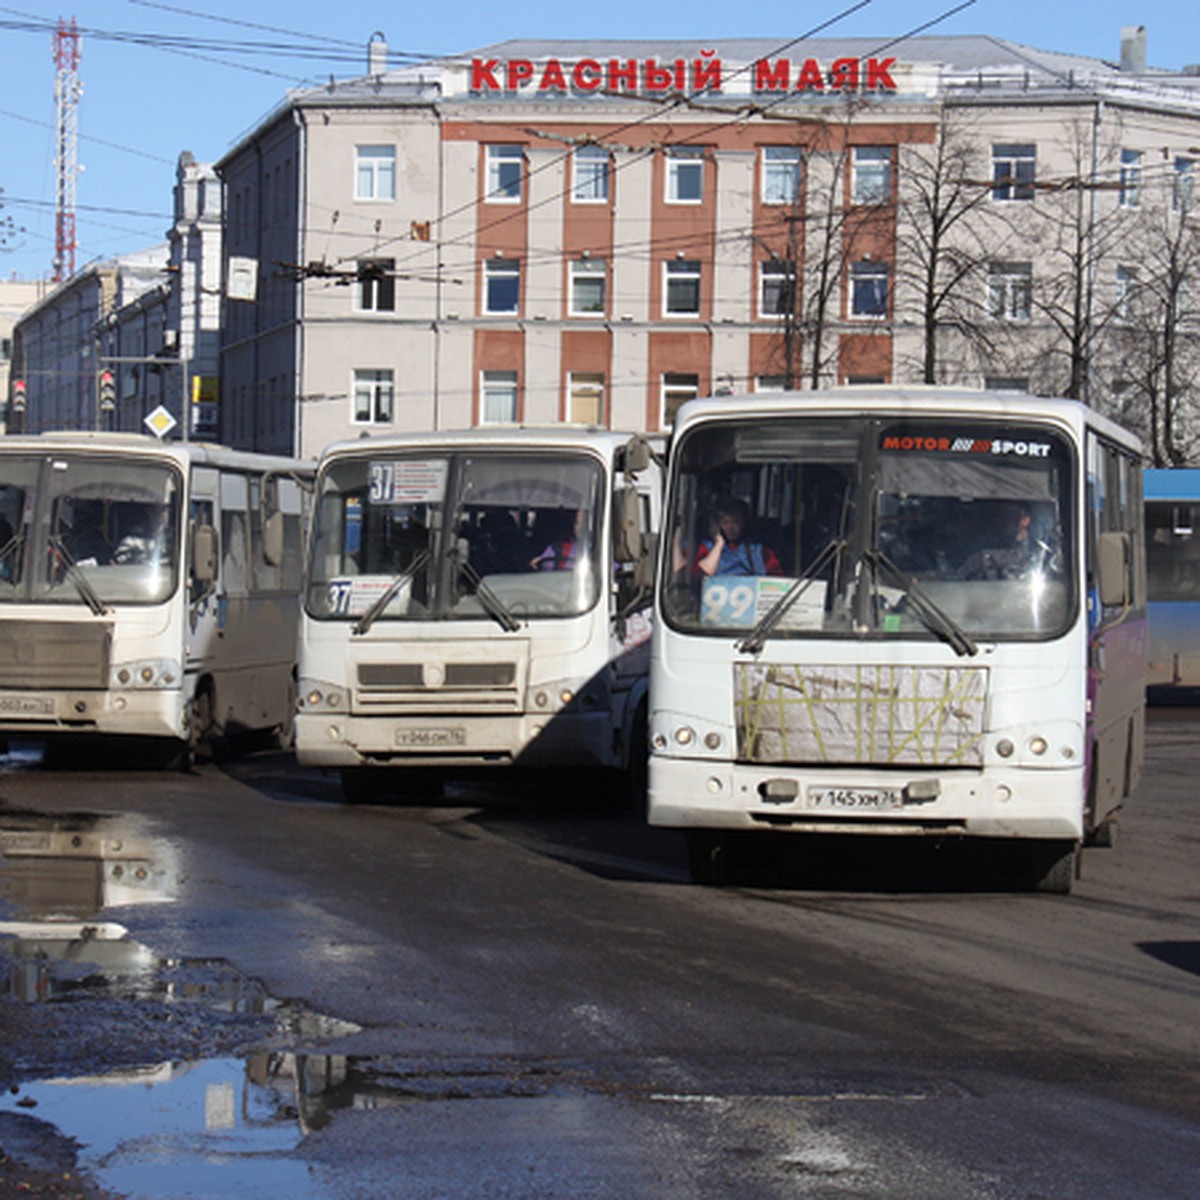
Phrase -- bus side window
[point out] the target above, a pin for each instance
(234, 534)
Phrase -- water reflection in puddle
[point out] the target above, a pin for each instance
(218, 1125)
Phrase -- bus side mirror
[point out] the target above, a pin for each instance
(627, 521)
(1114, 560)
(204, 554)
(636, 455)
(273, 539)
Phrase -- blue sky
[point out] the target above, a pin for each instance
(228, 63)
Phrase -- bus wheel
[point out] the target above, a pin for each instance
(284, 736)
(200, 725)
(1050, 866)
(711, 857)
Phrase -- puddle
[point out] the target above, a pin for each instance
(187, 1111)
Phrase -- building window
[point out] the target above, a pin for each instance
(502, 285)
(590, 166)
(1131, 178)
(782, 174)
(585, 398)
(587, 287)
(682, 292)
(1123, 293)
(776, 288)
(373, 397)
(868, 289)
(377, 285)
(872, 175)
(1014, 168)
(770, 383)
(375, 172)
(1010, 291)
(1185, 180)
(504, 167)
(677, 390)
(1006, 383)
(498, 390)
(685, 175)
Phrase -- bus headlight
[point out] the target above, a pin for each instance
(1038, 746)
(316, 695)
(145, 673)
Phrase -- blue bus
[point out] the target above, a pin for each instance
(1173, 583)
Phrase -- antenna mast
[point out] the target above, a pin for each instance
(67, 90)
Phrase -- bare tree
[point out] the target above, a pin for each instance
(940, 250)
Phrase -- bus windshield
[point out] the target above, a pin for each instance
(892, 528)
(494, 535)
(1173, 550)
(87, 529)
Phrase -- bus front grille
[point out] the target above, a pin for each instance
(458, 687)
(43, 655)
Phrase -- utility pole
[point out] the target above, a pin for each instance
(67, 90)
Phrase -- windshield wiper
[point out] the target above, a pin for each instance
(389, 594)
(83, 585)
(933, 617)
(754, 641)
(492, 604)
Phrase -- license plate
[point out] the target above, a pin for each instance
(843, 799)
(27, 706)
(431, 739)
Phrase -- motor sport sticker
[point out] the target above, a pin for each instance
(1014, 447)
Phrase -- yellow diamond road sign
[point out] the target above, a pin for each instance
(160, 422)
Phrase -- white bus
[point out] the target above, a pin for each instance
(147, 589)
(932, 623)
(478, 599)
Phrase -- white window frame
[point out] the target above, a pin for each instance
(1010, 291)
(591, 171)
(1131, 178)
(871, 175)
(500, 158)
(1014, 163)
(374, 288)
(586, 386)
(683, 270)
(373, 393)
(584, 273)
(499, 387)
(1124, 288)
(782, 174)
(375, 173)
(684, 163)
(1183, 184)
(680, 385)
(775, 274)
(499, 271)
(869, 272)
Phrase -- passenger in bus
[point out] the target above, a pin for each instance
(87, 542)
(727, 552)
(565, 534)
(1018, 551)
(143, 540)
(496, 543)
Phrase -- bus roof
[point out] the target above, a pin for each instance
(499, 437)
(895, 400)
(1172, 483)
(140, 444)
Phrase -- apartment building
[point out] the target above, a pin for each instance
(596, 232)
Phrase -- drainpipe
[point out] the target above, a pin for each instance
(298, 317)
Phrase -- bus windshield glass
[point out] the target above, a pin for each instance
(492, 535)
(891, 528)
(1173, 550)
(80, 529)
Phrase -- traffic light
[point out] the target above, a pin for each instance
(108, 391)
(18, 395)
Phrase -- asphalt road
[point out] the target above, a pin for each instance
(256, 990)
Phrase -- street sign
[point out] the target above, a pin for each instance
(160, 422)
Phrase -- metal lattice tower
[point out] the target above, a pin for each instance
(67, 90)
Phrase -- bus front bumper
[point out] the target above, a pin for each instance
(1012, 803)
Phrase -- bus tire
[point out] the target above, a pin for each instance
(284, 735)
(1051, 866)
(637, 769)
